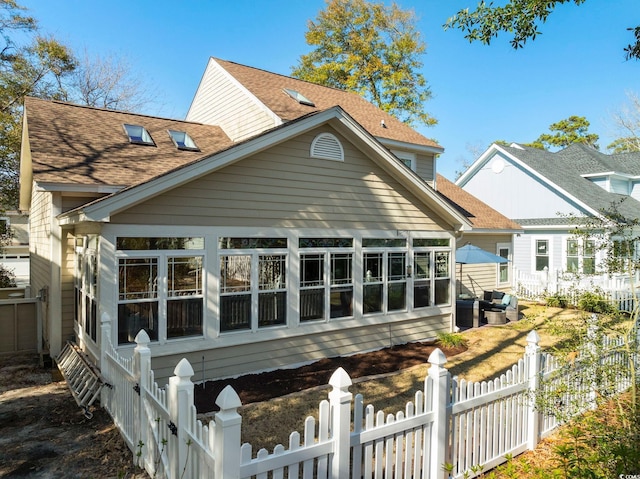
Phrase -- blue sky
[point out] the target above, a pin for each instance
(480, 93)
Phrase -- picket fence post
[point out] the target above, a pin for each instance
(141, 372)
(180, 397)
(533, 364)
(340, 405)
(440, 382)
(226, 444)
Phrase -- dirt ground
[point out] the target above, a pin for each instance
(44, 434)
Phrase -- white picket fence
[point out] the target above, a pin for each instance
(466, 425)
(536, 286)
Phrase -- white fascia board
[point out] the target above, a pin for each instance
(615, 174)
(403, 145)
(414, 183)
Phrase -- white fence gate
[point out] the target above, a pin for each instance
(465, 425)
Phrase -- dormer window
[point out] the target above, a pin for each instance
(299, 97)
(183, 141)
(138, 135)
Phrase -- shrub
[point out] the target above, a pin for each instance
(594, 302)
(451, 340)
(557, 300)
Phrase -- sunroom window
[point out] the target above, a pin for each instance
(385, 275)
(138, 135)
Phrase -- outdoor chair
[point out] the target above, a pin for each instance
(500, 301)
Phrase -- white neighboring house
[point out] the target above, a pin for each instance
(539, 189)
(15, 255)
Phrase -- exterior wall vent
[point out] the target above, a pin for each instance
(327, 147)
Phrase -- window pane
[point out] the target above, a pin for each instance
(421, 294)
(184, 276)
(384, 242)
(311, 304)
(589, 266)
(184, 317)
(145, 243)
(397, 266)
(542, 262)
(235, 273)
(137, 278)
(341, 302)
(421, 263)
(425, 242)
(572, 264)
(442, 264)
(442, 291)
(325, 242)
(272, 308)
(372, 298)
(252, 243)
(397, 296)
(373, 267)
(341, 265)
(132, 317)
(311, 270)
(271, 272)
(235, 312)
(572, 248)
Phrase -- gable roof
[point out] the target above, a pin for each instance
(566, 169)
(269, 87)
(79, 145)
(101, 209)
(481, 215)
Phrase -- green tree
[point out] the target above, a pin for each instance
(7, 277)
(574, 129)
(373, 50)
(36, 68)
(519, 17)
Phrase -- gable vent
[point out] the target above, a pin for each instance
(327, 147)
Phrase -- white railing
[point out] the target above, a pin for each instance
(465, 426)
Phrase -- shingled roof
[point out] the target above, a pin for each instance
(73, 144)
(268, 88)
(481, 215)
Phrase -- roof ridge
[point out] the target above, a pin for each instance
(108, 110)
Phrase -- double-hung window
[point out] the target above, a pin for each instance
(86, 283)
(160, 288)
(542, 254)
(385, 275)
(326, 278)
(253, 280)
(432, 276)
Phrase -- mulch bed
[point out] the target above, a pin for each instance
(264, 386)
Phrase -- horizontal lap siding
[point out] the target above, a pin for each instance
(477, 278)
(40, 265)
(67, 272)
(220, 101)
(284, 187)
(286, 352)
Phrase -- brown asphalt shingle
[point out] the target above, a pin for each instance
(83, 145)
(268, 88)
(481, 215)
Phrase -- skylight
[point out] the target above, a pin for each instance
(138, 134)
(183, 141)
(299, 97)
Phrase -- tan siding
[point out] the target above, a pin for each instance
(71, 202)
(477, 278)
(39, 233)
(67, 271)
(268, 355)
(220, 101)
(284, 187)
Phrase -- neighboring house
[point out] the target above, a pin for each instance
(15, 255)
(541, 190)
(490, 231)
(273, 228)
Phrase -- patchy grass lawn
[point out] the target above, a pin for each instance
(492, 350)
